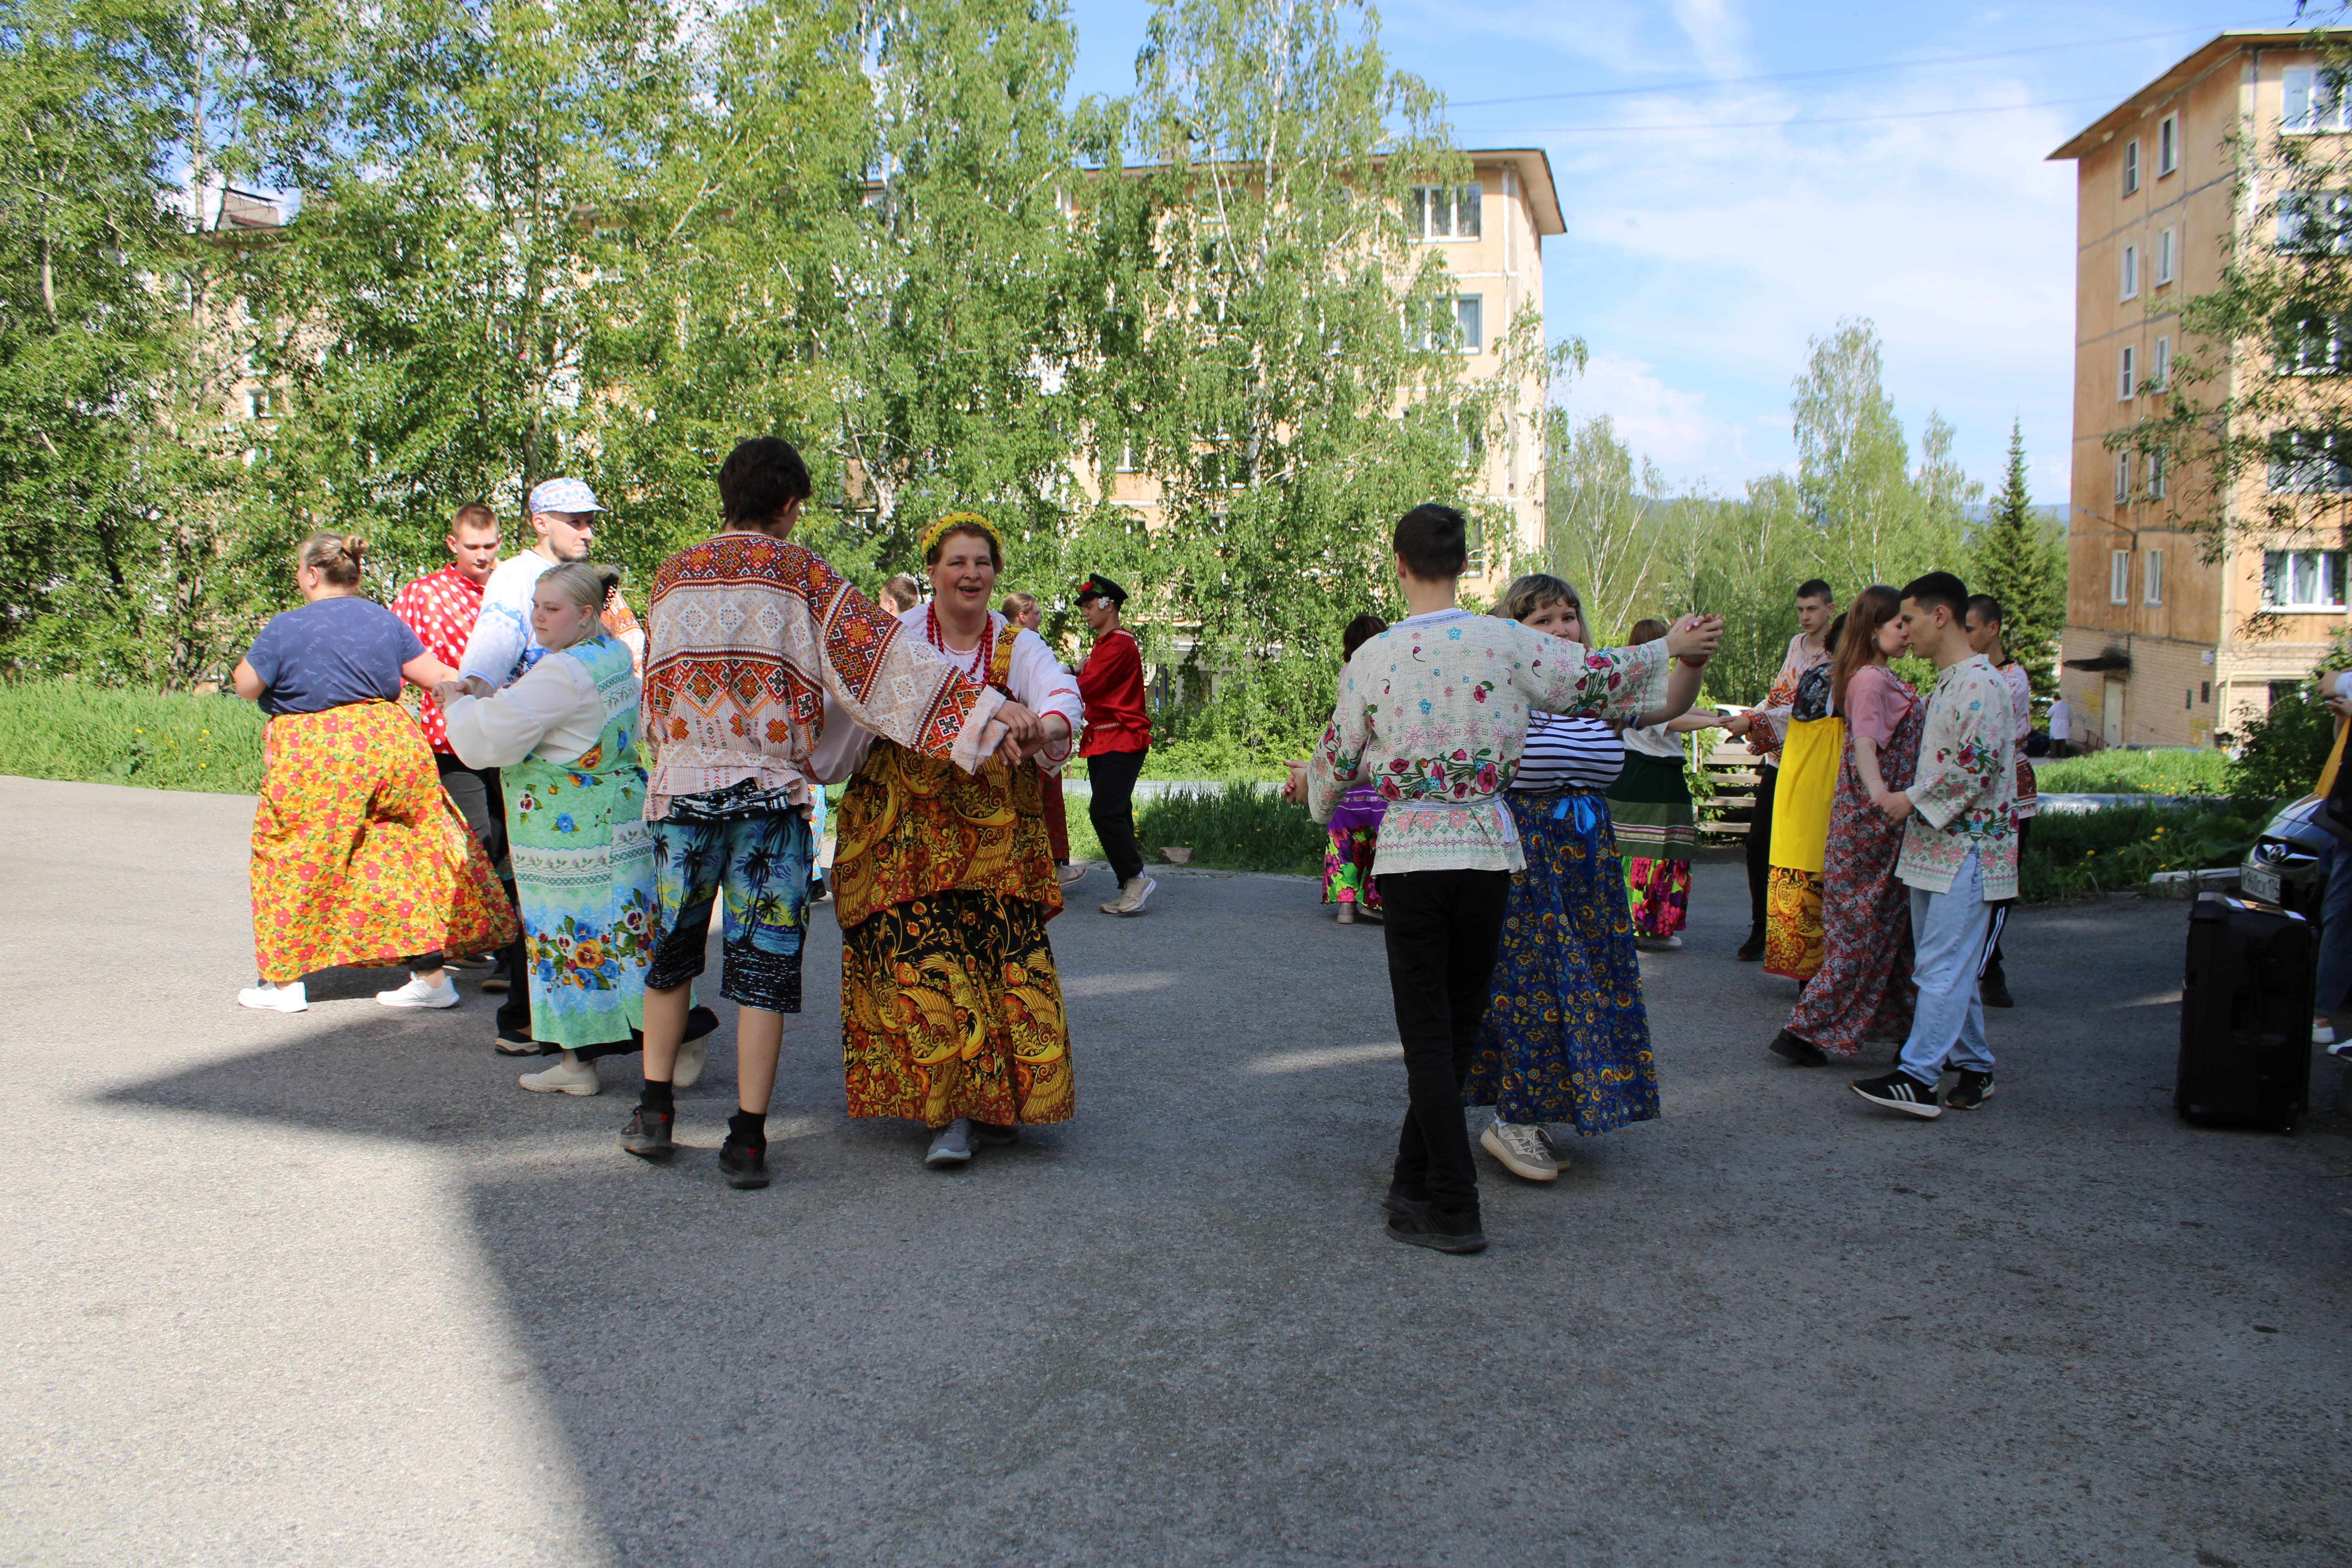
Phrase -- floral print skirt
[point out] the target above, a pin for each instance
(359, 856)
(951, 1006)
(1863, 994)
(1347, 858)
(583, 864)
(1566, 1037)
(1792, 923)
(1659, 893)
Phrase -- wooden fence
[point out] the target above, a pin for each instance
(1731, 769)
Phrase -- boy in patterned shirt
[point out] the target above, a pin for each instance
(1959, 853)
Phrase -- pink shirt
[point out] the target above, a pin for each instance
(1876, 698)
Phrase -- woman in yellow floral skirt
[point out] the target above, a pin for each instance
(943, 881)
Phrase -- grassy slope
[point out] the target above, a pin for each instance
(66, 729)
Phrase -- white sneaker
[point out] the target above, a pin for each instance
(418, 994)
(1131, 896)
(951, 1145)
(1520, 1147)
(1660, 944)
(2323, 1032)
(268, 998)
(693, 1056)
(564, 1077)
(1560, 1158)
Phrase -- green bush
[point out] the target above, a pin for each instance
(2281, 752)
(1241, 828)
(2078, 854)
(2173, 770)
(111, 734)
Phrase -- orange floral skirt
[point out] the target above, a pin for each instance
(359, 856)
(1792, 923)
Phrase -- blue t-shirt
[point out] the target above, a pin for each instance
(331, 653)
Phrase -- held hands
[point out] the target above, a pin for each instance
(1694, 636)
(1739, 724)
(445, 692)
(1293, 788)
(1895, 803)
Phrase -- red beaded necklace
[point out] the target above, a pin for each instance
(982, 657)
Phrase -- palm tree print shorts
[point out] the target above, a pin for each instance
(752, 850)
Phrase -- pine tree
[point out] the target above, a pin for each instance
(2020, 559)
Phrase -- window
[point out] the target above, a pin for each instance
(2315, 342)
(2311, 462)
(2123, 482)
(1127, 455)
(2315, 220)
(2131, 273)
(2119, 577)
(256, 403)
(2167, 145)
(2303, 579)
(2131, 167)
(2315, 101)
(1443, 211)
(2160, 365)
(2127, 362)
(1469, 312)
(2167, 243)
(2151, 578)
(2155, 474)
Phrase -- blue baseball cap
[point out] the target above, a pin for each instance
(564, 495)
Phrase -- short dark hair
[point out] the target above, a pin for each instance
(1434, 541)
(1985, 608)
(1360, 630)
(1939, 588)
(760, 477)
(1814, 588)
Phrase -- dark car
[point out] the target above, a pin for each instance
(2288, 864)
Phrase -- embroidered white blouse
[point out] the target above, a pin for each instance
(1433, 712)
(1964, 795)
(553, 712)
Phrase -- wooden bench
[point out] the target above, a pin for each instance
(1731, 768)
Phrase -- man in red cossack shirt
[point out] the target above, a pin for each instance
(1119, 733)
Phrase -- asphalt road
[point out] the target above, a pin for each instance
(329, 1289)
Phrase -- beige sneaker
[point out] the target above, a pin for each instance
(1071, 875)
(564, 1077)
(1520, 1147)
(1131, 896)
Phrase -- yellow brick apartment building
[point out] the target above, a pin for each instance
(2155, 651)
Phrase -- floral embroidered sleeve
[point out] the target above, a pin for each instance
(1337, 760)
(1592, 683)
(1960, 758)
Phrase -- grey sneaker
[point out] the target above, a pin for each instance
(996, 1135)
(1519, 1145)
(950, 1146)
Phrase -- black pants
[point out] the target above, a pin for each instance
(480, 800)
(1442, 929)
(1111, 776)
(1760, 848)
(1992, 965)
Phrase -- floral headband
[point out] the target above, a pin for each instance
(950, 522)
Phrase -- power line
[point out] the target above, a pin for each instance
(1829, 71)
(1777, 125)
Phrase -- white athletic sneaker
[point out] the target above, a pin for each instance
(268, 998)
(563, 1078)
(1071, 875)
(1660, 944)
(693, 1056)
(1520, 1147)
(2323, 1031)
(418, 994)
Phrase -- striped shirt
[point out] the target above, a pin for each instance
(1568, 753)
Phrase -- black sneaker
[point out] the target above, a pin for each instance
(742, 1165)
(1797, 1052)
(647, 1134)
(995, 1134)
(1429, 1226)
(1751, 950)
(1898, 1090)
(1973, 1090)
(1396, 1202)
(1993, 989)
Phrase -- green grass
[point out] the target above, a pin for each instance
(2171, 771)
(1241, 828)
(2082, 854)
(157, 739)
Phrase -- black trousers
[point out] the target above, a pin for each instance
(1760, 848)
(482, 802)
(1442, 929)
(1111, 776)
(1992, 965)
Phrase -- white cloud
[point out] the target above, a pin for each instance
(1672, 426)
(1716, 31)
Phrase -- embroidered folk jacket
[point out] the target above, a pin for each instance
(1964, 795)
(746, 637)
(1432, 714)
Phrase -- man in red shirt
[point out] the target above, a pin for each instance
(1119, 733)
(441, 609)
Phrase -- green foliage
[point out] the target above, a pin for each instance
(2079, 854)
(2169, 771)
(1241, 828)
(2283, 752)
(156, 740)
(2019, 558)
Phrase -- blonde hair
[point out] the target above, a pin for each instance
(587, 584)
(1531, 593)
(336, 557)
(1017, 604)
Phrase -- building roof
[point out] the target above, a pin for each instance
(2191, 66)
(1534, 168)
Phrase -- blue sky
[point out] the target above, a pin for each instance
(1698, 262)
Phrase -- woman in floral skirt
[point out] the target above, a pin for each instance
(1862, 992)
(1355, 824)
(564, 738)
